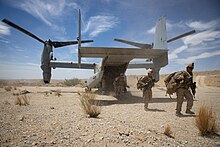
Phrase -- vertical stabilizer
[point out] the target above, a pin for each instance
(160, 38)
(79, 37)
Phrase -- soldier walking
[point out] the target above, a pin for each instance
(119, 85)
(145, 84)
(185, 82)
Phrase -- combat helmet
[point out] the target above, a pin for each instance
(191, 65)
(121, 74)
(150, 71)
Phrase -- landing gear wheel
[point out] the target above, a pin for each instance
(46, 82)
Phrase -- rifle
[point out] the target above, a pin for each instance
(149, 84)
(193, 88)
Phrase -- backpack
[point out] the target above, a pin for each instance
(171, 83)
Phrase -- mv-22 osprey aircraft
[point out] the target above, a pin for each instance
(114, 60)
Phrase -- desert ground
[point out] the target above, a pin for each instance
(58, 120)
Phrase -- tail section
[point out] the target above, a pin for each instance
(160, 38)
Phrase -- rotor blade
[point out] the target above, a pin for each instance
(60, 44)
(22, 30)
(180, 36)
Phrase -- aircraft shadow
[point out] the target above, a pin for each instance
(132, 99)
(162, 100)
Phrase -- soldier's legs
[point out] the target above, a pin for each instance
(146, 100)
(189, 99)
(150, 94)
(180, 98)
(147, 96)
(120, 90)
(125, 89)
(116, 91)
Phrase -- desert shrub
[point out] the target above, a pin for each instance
(89, 105)
(46, 93)
(206, 121)
(167, 131)
(71, 82)
(3, 83)
(57, 92)
(8, 88)
(22, 100)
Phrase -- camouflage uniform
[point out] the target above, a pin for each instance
(148, 81)
(184, 80)
(119, 84)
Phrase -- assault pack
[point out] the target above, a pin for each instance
(171, 84)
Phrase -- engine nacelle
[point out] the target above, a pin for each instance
(46, 56)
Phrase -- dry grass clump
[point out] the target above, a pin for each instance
(22, 100)
(168, 132)
(71, 82)
(57, 92)
(46, 93)
(206, 121)
(8, 88)
(89, 105)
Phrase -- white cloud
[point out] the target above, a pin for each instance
(4, 30)
(4, 41)
(196, 57)
(169, 26)
(173, 54)
(200, 44)
(33, 64)
(152, 30)
(99, 24)
(198, 25)
(201, 37)
(73, 5)
(20, 50)
(42, 9)
(46, 11)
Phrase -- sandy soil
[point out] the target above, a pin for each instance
(50, 120)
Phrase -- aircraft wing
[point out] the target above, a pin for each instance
(140, 45)
(120, 55)
(65, 64)
(140, 65)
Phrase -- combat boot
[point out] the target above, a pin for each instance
(179, 114)
(146, 109)
(189, 112)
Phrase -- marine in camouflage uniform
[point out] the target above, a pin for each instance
(185, 81)
(147, 82)
(119, 85)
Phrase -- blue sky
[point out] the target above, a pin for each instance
(102, 21)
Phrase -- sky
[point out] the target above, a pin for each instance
(102, 21)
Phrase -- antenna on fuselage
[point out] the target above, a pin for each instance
(79, 37)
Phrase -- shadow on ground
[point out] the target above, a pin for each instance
(128, 98)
